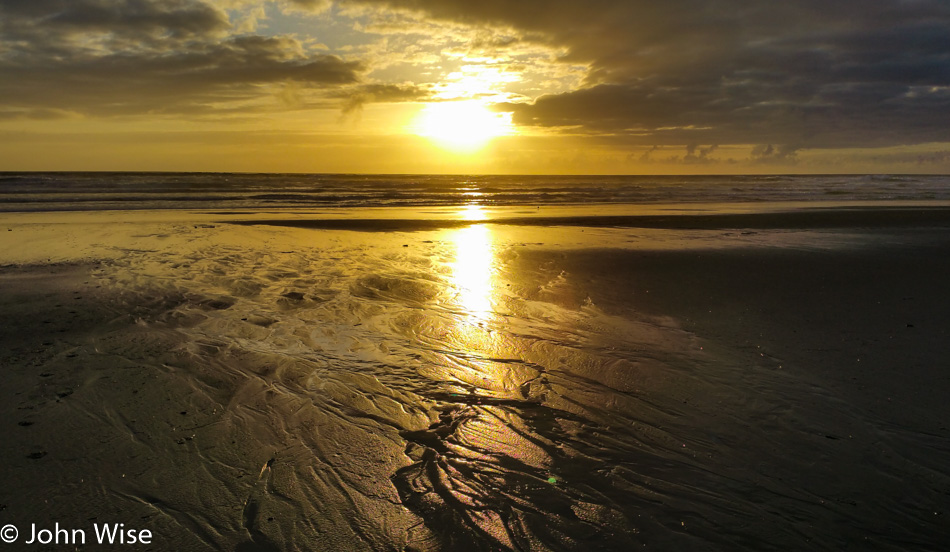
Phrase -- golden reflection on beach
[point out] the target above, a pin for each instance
(489, 431)
(473, 268)
(473, 212)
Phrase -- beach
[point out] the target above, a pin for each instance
(448, 276)
(759, 377)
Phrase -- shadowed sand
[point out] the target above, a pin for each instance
(762, 381)
(812, 218)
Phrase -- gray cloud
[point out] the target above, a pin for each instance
(767, 153)
(49, 20)
(310, 5)
(107, 57)
(356, 97)
(41, 114)
(809, 73)
(815, 74)
(939, 157)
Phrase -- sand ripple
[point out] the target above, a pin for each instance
(342, 395)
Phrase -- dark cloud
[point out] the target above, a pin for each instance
(357, 97)
(698, 154)
(935, 158)
(50, 18)
(767, 153)
(927, 160)
(311, 5)
(809, 72)
(41, 114)
(130, 83)
(144, 56)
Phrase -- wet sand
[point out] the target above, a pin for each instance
(773, 382)
(855, 420)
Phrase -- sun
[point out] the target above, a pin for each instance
(461, 125)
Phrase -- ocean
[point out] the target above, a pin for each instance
(344, 362)
(123, 191)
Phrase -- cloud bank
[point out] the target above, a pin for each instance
(814, 74)
(785, 77)
(121, 57)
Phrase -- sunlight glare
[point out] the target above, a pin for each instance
(473, 212)
(462, 125)
(472, 272)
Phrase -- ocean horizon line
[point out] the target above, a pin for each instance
(474, 174)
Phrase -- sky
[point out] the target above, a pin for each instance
(488, 86)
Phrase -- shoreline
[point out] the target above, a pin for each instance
(818, 218)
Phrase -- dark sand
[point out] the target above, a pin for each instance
(280, 387)
(862, 335)
(808, 218)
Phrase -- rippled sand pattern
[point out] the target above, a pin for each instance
(316, 389)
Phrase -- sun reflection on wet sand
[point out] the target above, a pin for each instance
(473, 212)
(473, 267)
(472, 270)
(488, 408)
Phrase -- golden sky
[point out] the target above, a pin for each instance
(459, 86)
